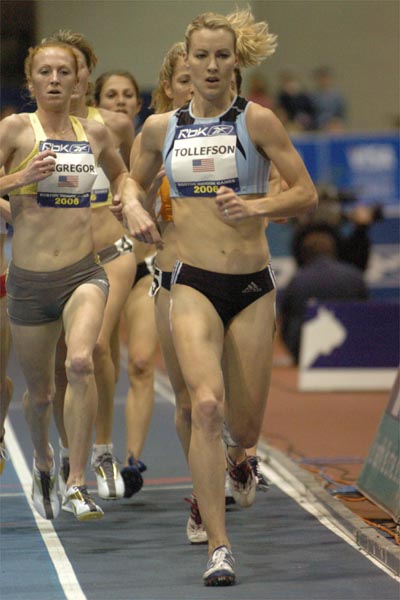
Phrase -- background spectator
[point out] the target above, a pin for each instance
(322, 276)
(328, 100)
(350, 222)
(258, 91)
(294, 104)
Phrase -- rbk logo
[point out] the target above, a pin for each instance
(209, 131)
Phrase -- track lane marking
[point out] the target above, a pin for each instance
(65, 573)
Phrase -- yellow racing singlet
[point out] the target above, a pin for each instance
(101, 195)
(56, 180)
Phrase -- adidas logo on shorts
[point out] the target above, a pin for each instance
(252, 287)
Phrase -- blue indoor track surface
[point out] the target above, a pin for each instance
(139, 550)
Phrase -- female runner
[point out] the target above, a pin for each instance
(216, 153)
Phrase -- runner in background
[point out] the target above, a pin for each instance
(119, 91)
(6, 386)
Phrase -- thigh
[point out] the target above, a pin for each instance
(140, 320)
(162, 308)
(247, 357)
(120, 273)
(35, 346)
(198, 335)
(82, 317)
(5, 338)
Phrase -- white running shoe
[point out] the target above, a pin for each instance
(243, 482)
(110, 484)
(229, 499)
(262, 483)
(44, 492)
(195, 529)
(220, 568)
(78, 500)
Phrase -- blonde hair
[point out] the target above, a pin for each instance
(252, 41)
(159, 99)
(35, 49)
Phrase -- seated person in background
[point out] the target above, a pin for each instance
(294, 105)
(350, 222)
(322, 276)
(329, 102)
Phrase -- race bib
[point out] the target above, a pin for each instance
(204, 158)
(156, 283)
(75, 172)
(101, 188)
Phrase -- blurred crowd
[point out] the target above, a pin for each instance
(323, 108)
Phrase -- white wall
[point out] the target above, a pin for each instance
(360, 38)
(127, 34)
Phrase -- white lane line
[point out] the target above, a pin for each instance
(289, 485)
(63, 567)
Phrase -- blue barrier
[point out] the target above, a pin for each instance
(349, 346)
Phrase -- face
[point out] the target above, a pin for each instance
(53, 76)
(83, 75)
(119, 95)
(211, 60)
(179, 89)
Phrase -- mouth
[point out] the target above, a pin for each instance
(54, 92)
(122, 110)
(212, 80)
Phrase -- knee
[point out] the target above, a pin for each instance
(140, 366)
(246, 434)
(79, 367)
(39, 398)
(208, 412)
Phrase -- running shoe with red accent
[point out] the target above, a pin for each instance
(195, 529)
(243, 482)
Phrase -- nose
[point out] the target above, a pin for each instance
(212, 63)
(120, 100)
(54, 77)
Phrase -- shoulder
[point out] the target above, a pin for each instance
(262, 121)
(95, 131)
(155, 127)
(16, 122)
(117, 122)
(92, 127)
(16, 132)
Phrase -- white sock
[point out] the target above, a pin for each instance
(99, 449)
(64, 452)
